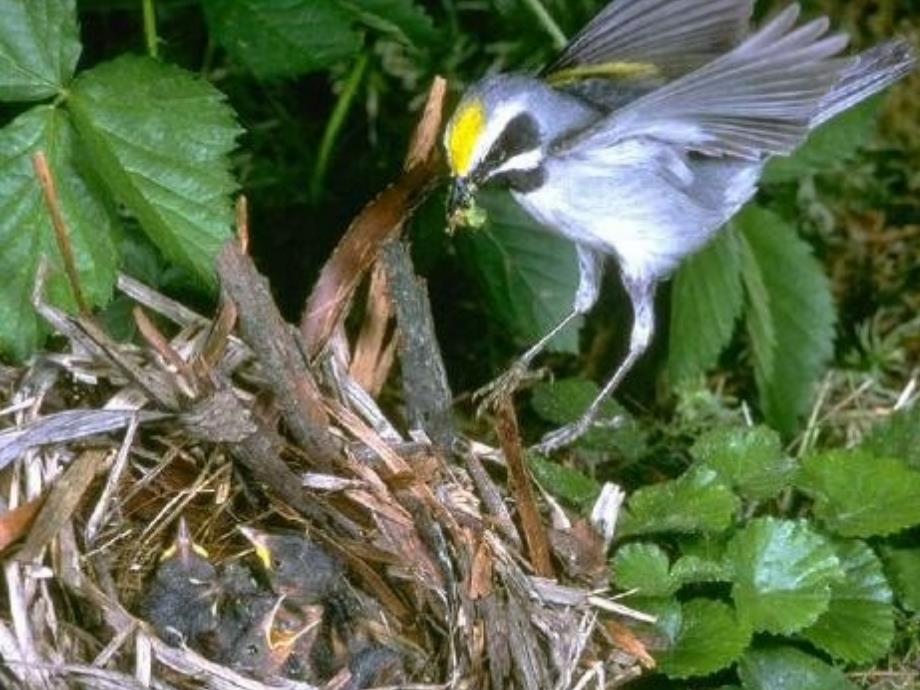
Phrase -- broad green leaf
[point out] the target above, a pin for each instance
(897, 437)
(694, 502)
(749, 459)
(710, 638)
(859, 625)
(39, 48)
(528, 275)
(160, 139)
(790, 315)
(783, 573)
(858, 494)
(705, 305)
(564, 401)
(568, 484)
(693, 569)
(787, 668)
(903, 568)
(404, 18)
(283, 38)
(645, 568)
(26, 232)
(836, 141)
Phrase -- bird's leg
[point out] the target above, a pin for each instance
(590, 270)
(641, 294)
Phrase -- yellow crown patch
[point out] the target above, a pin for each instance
(467, 127)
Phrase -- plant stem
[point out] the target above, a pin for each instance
(150, 29)
(334, 126)
(552, 28)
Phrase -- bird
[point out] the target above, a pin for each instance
(181, 600)
(646, 135)
(296, 566)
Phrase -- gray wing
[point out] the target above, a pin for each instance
(674, 36)
(758, 100)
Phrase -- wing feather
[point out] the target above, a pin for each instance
(757, 100)
(676, 36)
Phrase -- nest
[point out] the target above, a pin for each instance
(479, 581)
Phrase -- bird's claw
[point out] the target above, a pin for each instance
(490, 396)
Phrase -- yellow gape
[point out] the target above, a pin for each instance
(465, 131)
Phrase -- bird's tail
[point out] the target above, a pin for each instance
(869, 73)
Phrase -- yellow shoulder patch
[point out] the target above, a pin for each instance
(465, 130)
(615, 71)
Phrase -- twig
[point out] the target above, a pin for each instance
(242, 223)
(150, 29)
(49, 190)
(548, 23)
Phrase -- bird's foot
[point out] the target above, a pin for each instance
(568, 434)
(493, 393)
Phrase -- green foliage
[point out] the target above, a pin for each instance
(529, 277)
(858, 494)
(644, 568)
(790, 315)
(568, 484)
(694, 502)
(897, 437)
(709, 638)
(749, 459)
(903, 567)
(785, 668)
(149, 136)
(706, 304)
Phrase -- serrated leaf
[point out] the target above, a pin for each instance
(160, 140)
(835, 141)
(644, 568)
(26, 232)
(283, 38)
(750, 459)
(705, 306)
(897, 437)
(565, 400)
(563, 482)
(694, 502)
(39, 48)
(529, 276)
(860, 495)
(783, 572)
(693, 569)
(787, 668)
(903, 567)
(859, 625)
(404, 18)
(710, 638)
(790, 315)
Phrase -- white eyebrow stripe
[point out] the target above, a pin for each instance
(523, 161)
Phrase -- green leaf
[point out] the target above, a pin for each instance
(786, 668)
(26, 232)
(694, 502)
(645, 568)
(564, 401)
(403, 18)
(859, 625)
(570, 485)
(749, 459)
(283, 38)
(160, 139)
(693, 569)
(835, 141)
(897, 437)
(783, 572)
(39, 48)
(705, 305)
(790, 315)
(529, 276)
(903, 568)
(860, 495)
(710, 638)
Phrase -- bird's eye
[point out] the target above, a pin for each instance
(277, 563)
(252, 650)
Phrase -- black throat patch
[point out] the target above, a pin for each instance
(520, 135)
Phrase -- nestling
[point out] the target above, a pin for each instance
(647, 134)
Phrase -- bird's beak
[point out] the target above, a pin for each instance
(459, 202)
(258, 541)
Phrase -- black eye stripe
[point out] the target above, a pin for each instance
(520, 134)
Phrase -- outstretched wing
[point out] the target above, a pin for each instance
(755, 101)
(666, 38)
